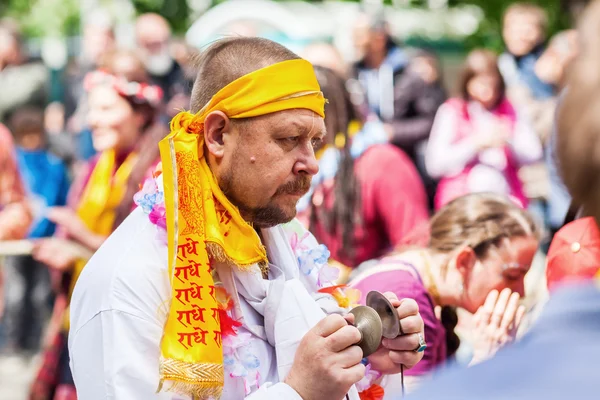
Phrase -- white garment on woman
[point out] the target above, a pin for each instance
(120, 306)
(447, 157)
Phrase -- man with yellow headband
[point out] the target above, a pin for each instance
(211, 289)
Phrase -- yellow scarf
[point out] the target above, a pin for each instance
(97, 208)
(203, 226)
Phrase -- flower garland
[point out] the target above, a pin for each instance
(141, 92)
(238, 359)
(316, 259)
(367, 389)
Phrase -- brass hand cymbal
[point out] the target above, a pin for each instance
(375, 321)
(368, 323)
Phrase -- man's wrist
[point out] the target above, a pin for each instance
(292, 386)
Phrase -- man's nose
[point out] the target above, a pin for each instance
(307, 163)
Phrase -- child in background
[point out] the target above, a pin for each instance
(45, 175)
(524, 33)
(480, 140)
(46, 181)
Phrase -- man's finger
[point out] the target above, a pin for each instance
(402, 343)
(350, 318)
(510, 312)
(391, 296)
(355, 373)
(349, 357)
(343, 338)
(407, 358)
(412, 324)
(407, 308)
(330, 324)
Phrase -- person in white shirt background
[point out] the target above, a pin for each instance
(285, 345)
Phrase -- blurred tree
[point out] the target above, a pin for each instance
(43, 17)
(61, 17)
(177, 12)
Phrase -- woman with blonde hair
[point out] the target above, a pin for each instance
(480, 248)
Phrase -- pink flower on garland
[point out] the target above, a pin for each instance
(158, 216)
(152, 202)
(367, 381)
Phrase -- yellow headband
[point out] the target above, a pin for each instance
(282, 86)
(204, 227)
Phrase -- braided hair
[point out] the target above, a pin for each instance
(481, 221)
(340, 220)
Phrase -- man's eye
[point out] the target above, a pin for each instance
(316, 142)
(289, 140)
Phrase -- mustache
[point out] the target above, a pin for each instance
(298, 186)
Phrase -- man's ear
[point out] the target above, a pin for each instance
(216, 126)
(465, 261)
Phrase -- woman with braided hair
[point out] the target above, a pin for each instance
(368, 195)
(480, 248)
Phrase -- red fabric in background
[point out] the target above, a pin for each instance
(393, 204)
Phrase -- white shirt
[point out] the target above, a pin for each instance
(118, 311)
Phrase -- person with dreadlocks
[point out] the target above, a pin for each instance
(368, 195)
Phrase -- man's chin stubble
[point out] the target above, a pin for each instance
(267, 217)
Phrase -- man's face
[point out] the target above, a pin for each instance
(268, 164)
(153, 42)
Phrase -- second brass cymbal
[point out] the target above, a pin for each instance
(387, 313)
(368, 322)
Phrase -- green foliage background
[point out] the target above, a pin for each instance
(61, 17)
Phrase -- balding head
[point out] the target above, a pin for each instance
(151, 29)
(229, 59)
(153, 36)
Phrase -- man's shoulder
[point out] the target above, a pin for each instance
(128, 273)
(136, 239)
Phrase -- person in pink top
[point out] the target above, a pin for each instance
(479, 250)
(479, 140)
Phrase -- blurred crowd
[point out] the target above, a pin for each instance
(446, 195)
